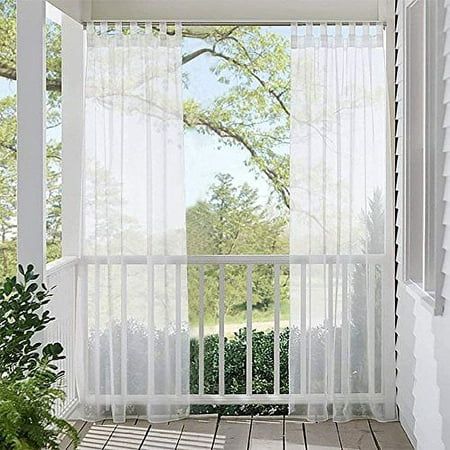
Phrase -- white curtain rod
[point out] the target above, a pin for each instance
(236, 23)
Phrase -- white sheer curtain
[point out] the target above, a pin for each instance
(342, 299)
(132, 310)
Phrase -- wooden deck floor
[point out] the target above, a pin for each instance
(241, 433)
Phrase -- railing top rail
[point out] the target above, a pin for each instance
(61, 263)
(234, 259)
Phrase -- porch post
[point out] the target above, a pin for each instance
(31, 153)
(72, 132)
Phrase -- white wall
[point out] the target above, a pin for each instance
(423, 342)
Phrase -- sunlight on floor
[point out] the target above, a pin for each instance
(122, 437)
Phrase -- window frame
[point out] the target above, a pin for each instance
(429, 287)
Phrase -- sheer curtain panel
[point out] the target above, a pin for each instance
(341, 360)
(132, 306)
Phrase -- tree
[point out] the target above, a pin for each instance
(232, 221)
(8, 180)
(372, 244)
(254, 114)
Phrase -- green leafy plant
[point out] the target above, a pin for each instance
(30, 382)
(235, 370)
(26, 406)
(22, 316)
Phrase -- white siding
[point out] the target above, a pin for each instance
(423, 343)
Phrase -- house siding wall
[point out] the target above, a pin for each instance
(423, 339)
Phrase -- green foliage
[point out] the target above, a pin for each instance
(29, 377)
(8, 180)
(21, 317)
(235, 374)
(26, 410)
(253, 112)
(232, 221)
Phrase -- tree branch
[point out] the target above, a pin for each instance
(53, 84)
(224, 132)
(245, 68)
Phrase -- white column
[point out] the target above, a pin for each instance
(72, 132)
(31, 134)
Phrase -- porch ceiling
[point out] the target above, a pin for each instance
(223, 10)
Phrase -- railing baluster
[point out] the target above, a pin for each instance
(97, 303)
(178, 329)
(330, 331)
(303, 353)
(82, 319)
(124, 329)
(371, 326)
(71, 327)
(345, 334)
(276, 330)
(201, 331)
(249, 331)
(221, 329)
(151, 327)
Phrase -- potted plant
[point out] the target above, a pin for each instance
(30, 382)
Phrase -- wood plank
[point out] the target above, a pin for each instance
(322, 436)
(266, 433)
(163, 436)
(198, 432)
(232, 433)
(97, 436)
(66, 441)
(356, 435)
(390, 436)
(127, 436)
(293, 434)
(84, 428)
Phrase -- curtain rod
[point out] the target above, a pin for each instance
(127, 23)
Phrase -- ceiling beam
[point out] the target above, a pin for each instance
(219, 10)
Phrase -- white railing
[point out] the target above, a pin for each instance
(62, 275)
(372, 263)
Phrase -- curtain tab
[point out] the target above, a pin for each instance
(90, 28)
(148, 27)
(294, 35)
(309, 38)
(134, 28)
(323, 34)
(103, 27)
(338, 34)
(380, 35)
(352, 34)
(178, 28)
(178, 35)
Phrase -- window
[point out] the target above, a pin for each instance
(423, 159)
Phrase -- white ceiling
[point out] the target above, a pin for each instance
(223, 10)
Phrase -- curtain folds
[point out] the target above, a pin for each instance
(132, 311)
(341, 361)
